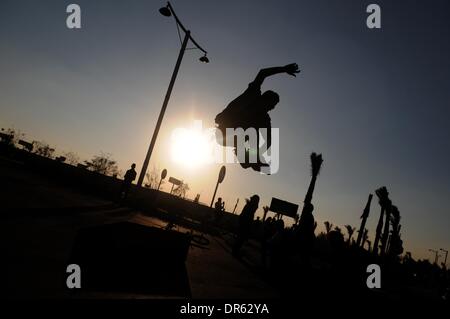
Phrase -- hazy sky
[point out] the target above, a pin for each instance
(375, 103)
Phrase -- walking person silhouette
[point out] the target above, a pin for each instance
(218, 209)
(245, 223)
(129, 177)
(250, 110)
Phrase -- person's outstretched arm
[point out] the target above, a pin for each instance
(291, 69)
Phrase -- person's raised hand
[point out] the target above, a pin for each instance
(292, 69)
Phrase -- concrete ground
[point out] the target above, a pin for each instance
(39, 222)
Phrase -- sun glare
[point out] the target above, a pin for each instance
(191, 148)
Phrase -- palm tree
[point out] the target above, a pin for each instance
(364, 217)
(384, 201)
(154, 178)
(316, 164)
(350, 231)
(396, 244)
(385, 236)
(328, 226)
(306, 222)
(103, 164)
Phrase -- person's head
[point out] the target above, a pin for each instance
(269, 99)
(219, 199)
(133, 166)
(254, 200)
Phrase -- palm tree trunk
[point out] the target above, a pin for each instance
(388, 245)
(378, 231)
(309, 193)
(364, 217)
(385, 236)
(316, 164)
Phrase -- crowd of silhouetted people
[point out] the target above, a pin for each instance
(329, 259)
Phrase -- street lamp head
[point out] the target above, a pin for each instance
(204, 59)
(165, 11)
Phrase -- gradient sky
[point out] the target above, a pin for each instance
(375, 103)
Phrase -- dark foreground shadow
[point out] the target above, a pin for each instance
(128, 257)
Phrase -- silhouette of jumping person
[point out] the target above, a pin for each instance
(245, 223)
(129, 177)
(250, 110)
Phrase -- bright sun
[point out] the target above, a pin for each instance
(191, 148)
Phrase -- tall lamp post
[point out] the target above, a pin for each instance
(168, 11)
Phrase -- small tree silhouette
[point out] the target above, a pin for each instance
(103, 164)
(71, 158)
(153, 178)
(328, 227)
(43, 149)
(350, 231)
(10, 137)
(181, 190)
(7, 137)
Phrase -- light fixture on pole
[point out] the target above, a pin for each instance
(165, 11)
(163, 175)
(168, 11)
(204, 59)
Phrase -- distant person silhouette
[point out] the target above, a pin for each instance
(268, 231)
(218, 209)
(129, 177)
(250, 110)
(245, 223)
